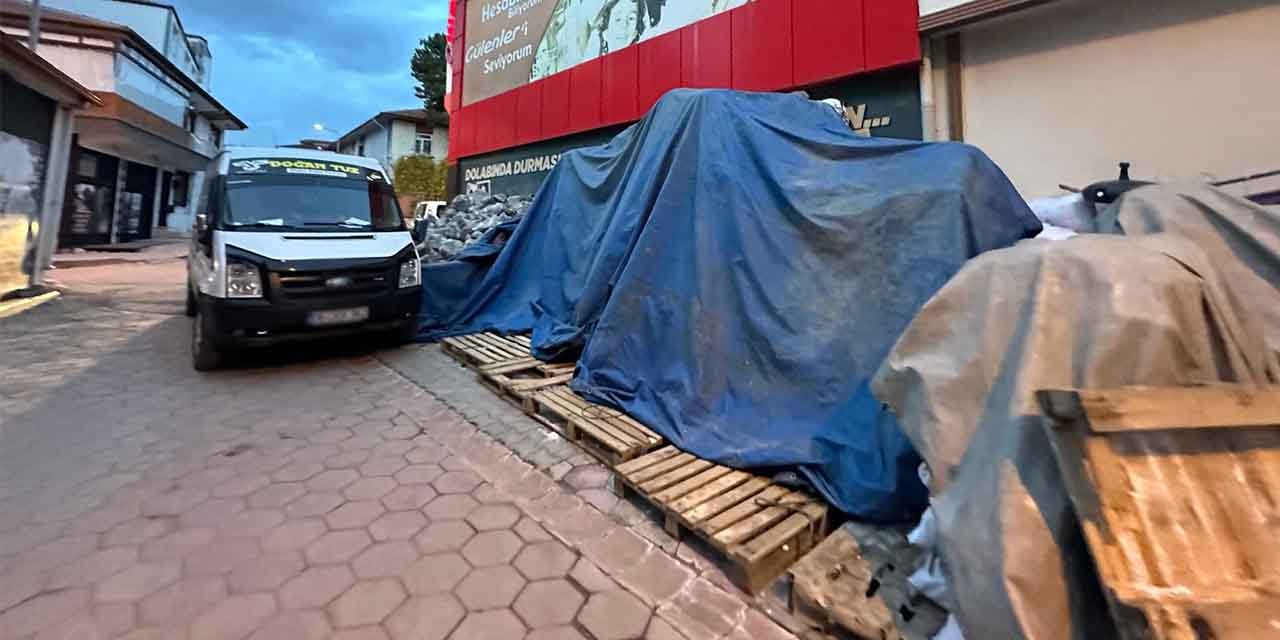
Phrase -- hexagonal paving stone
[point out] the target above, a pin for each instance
(332, 480)
(369, 488)
(91, 568)
(277, 494)
(267, 572)
(253, 522)
(454, 463)
(494, 516)
(426, 618)
(212, 513)
(297, 472)
(241, 486)
(235, 617)
(531, 531)
(329, 436)
(294, 535)
(383, 466)
(138, 581)
(316, 587)
(384, 559)
(614, 615)
(348, 459)
(355, 514)
(295, 625)
(177, 545)
(545, 560)
(361, 633)
(220, 556)
(181, 600)
(448, 535)
(393, 448)
(419, 474)
(490, 588)
(457, 482)
(138, 530)
(40, 611)
(338, 546)
(401, 525)
(368, 602)
(548, 603)
(555, 633)
(490, 625)
(313, 504)
(491, 548)
(411, 497)
(452, 507)
(424, 455)
(435, 574)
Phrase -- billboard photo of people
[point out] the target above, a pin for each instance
(510, 43)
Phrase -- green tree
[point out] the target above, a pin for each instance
(428, 68)
(421, 176)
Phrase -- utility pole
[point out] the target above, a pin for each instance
(33, 31)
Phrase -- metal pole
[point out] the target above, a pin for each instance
(33, 31)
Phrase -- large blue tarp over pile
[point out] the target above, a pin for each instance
(735, 267)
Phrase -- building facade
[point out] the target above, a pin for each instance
(1058, 92)
(37, 112)
(137, 160)
(391, 135)
(531, 80)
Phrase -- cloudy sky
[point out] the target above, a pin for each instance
(282, 65)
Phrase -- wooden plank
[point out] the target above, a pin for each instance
(1167, 408)
(703, 494)
(658, 469)
(812, 517)
(501, 344)
(620, 445)
(670, 494)
(717, 505)
(675, 477)
(526, 386)
(515, 366)
(750, 518)
(600, 426)
(478, 351)
(642, 462)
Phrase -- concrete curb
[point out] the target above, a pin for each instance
(14, 307)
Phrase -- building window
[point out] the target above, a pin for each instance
(360, 148)
(422, 144)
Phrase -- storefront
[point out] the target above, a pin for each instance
(36, 116)
(527, 85)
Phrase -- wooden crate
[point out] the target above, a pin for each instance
(1176, 490)
(520, 381)
(760, 526)
(489, 349)
(610, 435)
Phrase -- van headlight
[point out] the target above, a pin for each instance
(243, 280)
(410, 273)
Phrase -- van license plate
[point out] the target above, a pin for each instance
(333, 317)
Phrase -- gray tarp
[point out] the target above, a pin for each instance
(1183, 288)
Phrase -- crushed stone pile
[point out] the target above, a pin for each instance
(467, 218)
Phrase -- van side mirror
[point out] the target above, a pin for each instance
(202, 231)
(420, 230)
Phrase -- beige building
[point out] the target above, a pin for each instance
(391, 135)
(1060, 91)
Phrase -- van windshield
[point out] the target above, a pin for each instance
(313, 203)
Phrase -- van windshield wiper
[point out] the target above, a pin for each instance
(340, 223)
(257, 225)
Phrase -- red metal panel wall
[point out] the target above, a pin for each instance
(659, 70)
(584, 96)
(707, 53)
(555, 105)
(892, 33)
(619, 87)
(529, 113)
(762, 46)
(829, 39)
(765, 45)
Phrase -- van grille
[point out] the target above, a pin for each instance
(314, 284)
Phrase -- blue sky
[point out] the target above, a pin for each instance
(282, 65)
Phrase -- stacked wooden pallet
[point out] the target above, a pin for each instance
(761, 526)
(486, 349)
(608, 434)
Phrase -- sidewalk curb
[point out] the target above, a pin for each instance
(14, 307)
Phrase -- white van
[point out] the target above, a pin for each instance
(294, 244)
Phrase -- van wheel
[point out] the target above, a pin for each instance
(204, 355)
(191, 303)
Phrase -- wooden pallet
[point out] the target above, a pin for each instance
(760, 526)
(606, 433)
(520, 381)
(489, 349)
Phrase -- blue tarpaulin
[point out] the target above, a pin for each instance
(735, 267)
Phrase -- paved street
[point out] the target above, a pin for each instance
(313, 493)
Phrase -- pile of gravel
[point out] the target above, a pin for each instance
(467, 219)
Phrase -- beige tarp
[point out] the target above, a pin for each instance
(1181, 287)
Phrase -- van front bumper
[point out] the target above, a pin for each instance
(246, 323)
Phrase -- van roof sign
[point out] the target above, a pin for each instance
(301, 167)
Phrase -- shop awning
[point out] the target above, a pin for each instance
(124, 140)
